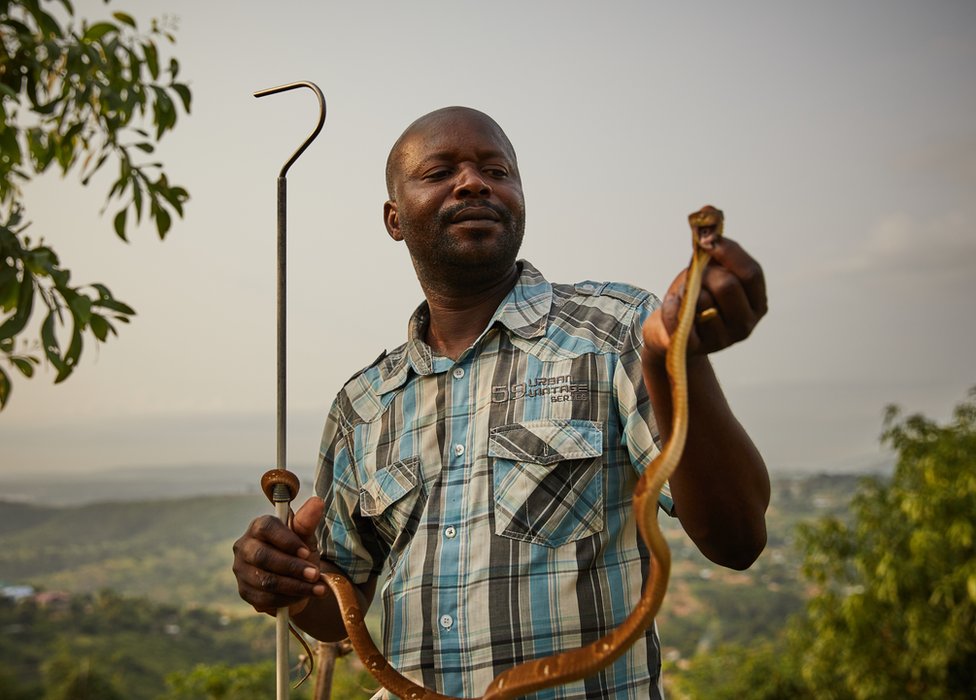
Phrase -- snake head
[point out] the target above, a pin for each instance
(706, 226)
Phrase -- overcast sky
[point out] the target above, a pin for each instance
(839, 138)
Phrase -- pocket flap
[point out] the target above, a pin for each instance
(546, 441)
(388, 485)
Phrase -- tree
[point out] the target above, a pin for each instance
(896, 611)
(67, 678)
(76, 96)
(220, 682)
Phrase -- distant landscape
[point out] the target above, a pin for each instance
(174, 550)
(133, 484)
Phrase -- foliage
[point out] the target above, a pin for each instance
(896, 612)
(252, 681)
(759, 671)
(130, 643)
(67, 678)
(12, 688)
(222, 682)
(115, 646)
(76, 96)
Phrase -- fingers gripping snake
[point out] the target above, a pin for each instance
(565, 667)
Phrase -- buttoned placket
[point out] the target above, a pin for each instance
(449, 610)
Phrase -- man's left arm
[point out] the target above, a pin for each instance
(721, 486)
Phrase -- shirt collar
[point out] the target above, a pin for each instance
(524, 312)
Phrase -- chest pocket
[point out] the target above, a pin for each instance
(391, 498)
(548, 480)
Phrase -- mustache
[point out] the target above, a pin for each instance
(447, 215)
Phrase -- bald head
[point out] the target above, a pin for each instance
(439, 120)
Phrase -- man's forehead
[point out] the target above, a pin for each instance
(445, 134)
(446, 129)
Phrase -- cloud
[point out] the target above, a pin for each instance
(942, 247)
(950, 161)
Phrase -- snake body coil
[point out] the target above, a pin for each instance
(569, 666)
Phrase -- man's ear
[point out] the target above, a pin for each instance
(392, 220)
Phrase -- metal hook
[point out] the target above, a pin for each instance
(285, 484)
(318, 127)
(282, 257)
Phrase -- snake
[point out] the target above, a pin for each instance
(565, 667)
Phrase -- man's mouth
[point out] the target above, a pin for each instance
(475, 214)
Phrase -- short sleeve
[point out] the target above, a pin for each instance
(639, 432)
(345, 537)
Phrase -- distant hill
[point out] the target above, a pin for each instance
(178, 552)
(134, 484)
(172, 551)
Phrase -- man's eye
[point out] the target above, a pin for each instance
(438, 174)
(496, 172)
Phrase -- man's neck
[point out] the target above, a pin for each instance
(457, 318)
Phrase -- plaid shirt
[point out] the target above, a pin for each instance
(498, 487)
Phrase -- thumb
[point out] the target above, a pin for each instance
(308, 517)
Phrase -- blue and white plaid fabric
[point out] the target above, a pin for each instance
(498, 487)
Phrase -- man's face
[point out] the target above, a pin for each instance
(457, 199)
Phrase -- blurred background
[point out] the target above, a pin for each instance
(839, 138)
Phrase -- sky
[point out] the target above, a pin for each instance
(839, 138)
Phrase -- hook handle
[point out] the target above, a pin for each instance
(318, 127)
(285, 483)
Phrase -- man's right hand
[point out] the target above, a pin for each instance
(278, 567)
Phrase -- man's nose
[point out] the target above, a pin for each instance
(471, 182)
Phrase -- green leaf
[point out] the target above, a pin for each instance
(119, 224)
(5, 389)
(115, 305)
(45, 22)
(184, 92)
(152, 59)
(164, 112)
(163, 222)
(50, 342)
(145, 147)
(25, 365)
(124, 18)
(71, 356)
(80, 306)
(25, 304)
(9, 288)
(98, 30)
(137, 197)
(98, 165)
(41, 260)
(100, 327)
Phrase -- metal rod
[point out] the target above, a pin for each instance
(282, 497)
(281, 313)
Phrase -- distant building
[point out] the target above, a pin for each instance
(53, 599)
(16, 593)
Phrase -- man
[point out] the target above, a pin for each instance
(490, 460)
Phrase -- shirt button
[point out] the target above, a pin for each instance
(458, 372)
(459, 449)
(447, 621)
(450, 532)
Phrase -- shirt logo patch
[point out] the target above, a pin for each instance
(558, 389)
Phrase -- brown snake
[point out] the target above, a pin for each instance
(568, 666)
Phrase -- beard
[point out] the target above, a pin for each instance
(466, 259)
